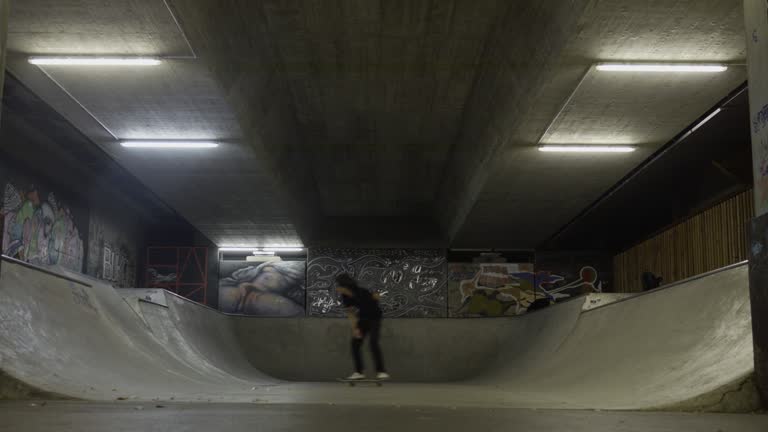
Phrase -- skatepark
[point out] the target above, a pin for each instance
(400, 215)
(65, 336)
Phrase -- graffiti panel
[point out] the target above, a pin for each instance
(112, 249)
(489, 289)
(556, 285)
(272, 288)
(506, 289)
(40, 229)
(411, 282)
(566, 274)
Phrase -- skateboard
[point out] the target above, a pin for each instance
(352, 383)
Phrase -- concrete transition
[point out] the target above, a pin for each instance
(686, 346)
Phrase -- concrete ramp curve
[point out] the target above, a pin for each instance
(686, 346)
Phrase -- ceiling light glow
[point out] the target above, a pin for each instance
(262, 250)
(169, 144)
(95, 61)
(660, 67)
(238, 249)
(586, 149)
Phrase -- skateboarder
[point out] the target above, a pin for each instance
(365, 316)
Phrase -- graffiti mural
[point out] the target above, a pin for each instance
(486, 290)
(118, 265)
(555, 287)
(113, 248)
(412, 283)
(272, 288)
(505, 289)
(39, 229)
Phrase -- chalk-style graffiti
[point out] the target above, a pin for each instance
(40, 230)
(273, 288)
(486, 290)
(412, 283)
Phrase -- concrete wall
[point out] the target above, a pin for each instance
(53, 211)
(4, 10)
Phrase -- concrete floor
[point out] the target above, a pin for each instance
(122, 417)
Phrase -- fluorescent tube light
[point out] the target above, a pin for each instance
(660, 67)
(586, 148)
(168, 144)
(282, 249)
(238, 249)
(95, 61)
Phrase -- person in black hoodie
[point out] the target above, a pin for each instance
(365, 315)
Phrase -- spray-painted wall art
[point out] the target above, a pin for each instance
(505, 289)
(40, 229)
(489, 289)
(113, 248)
(272, 288)
(571, 273)
(568, 284)
(411, 282)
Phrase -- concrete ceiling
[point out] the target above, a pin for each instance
(379, 123)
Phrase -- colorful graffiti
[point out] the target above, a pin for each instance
(411, 282)
(487, 290)
(273, 288)
(40, 230)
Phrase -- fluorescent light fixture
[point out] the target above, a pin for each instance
(260, 250)
(95, 61)
(586, 148)
(660, 67)
(706, 119)
(237, 249)
(168, 144)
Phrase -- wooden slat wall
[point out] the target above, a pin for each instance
(712, 239)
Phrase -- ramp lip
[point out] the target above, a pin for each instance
(43, 269)
(670, 286)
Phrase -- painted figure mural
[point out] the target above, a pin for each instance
(272, 288)
(40, 230)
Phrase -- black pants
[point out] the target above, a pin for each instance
(371, 329)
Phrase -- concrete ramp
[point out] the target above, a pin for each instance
(686, 346)
(73, 336)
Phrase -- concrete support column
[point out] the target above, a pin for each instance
(4, 10)
(756, 26)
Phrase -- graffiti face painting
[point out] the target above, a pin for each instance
(40, 231)
(266, 289)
